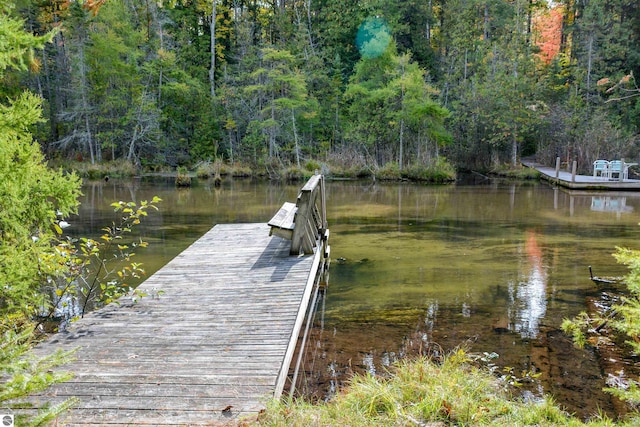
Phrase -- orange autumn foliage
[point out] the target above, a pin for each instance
(92, 6)
(548, 28)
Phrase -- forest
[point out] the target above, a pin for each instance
(346, 85)
(353, 84)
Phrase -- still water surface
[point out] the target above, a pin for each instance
(493, 266)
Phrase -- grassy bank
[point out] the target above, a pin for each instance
(454, 392)
(439, 171)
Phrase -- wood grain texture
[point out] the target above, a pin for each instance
(220, 334)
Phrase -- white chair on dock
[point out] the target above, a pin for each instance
(615, 168)
(601, 168)
(620, 169)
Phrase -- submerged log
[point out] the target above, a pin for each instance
(605, 281)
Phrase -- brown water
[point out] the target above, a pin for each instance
(492, 266)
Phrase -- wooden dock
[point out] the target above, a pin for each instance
(582, 182)
(213, 347)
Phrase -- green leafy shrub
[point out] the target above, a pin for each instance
(205, 170)
(312, 165)
(440, 171)
(113, 169)
(294, 173)
(516, 172)
(621, 318)
(390, 171)
(238, 171)
(83, 273)
(183, 179)
(30, 196)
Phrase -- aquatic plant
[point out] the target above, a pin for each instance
(183, 179)
(423, 392)
(621, 318)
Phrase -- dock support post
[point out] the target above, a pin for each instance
(557, 167)
(574, 168)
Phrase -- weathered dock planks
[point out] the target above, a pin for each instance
(215, 345)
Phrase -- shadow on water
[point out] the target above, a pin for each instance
(493, 266)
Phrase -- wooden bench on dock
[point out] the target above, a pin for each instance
(304, 222)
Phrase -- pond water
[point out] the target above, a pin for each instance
(492, 266)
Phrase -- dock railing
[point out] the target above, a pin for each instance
(310, 221)
(305, 222)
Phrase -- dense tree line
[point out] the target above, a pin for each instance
(280, 82)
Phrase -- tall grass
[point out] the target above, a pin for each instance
(422, 392)
(520, 172)
(437, 171)
(113, 169)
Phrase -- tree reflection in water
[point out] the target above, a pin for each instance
(529, 296)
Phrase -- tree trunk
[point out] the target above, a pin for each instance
(428, 26)
(212, 28)
(311, 43)
(529, 20)
(85, 101)
(514, 150)
(132, 144)
(160, 74)
(486, 22)
(230, 133)
(295, 137)
(589, 63)
(53, 125)
(402, 112)
(401, 155)
(272, 133)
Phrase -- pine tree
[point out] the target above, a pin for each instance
(31, 199)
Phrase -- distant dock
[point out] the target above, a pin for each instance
(582, 182)
(214, 346)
